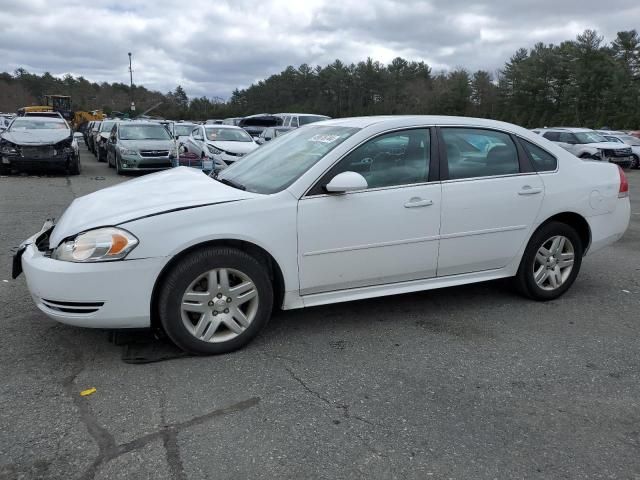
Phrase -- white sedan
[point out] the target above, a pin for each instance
(222, 144)
(334, 211)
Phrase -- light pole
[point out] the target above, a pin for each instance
(133, 105)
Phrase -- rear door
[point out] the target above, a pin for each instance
(490, 199)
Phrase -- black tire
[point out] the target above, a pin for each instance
(109, 162)
(101, 157)
(119, 169)
(524, 279)
(74, 166)
(189, 269)
(635, 162)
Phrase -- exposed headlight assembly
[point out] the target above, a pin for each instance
(8, 149)
(99, 245)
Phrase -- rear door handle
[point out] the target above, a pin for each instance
(418, 202)
(529, 190)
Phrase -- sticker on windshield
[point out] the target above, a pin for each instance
(324, 138)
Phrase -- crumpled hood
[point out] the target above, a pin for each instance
(36, 137)
(176, 188)
(234, 147)
(607, 145)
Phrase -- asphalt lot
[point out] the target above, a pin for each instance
(467, 382)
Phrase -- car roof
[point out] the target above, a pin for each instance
(307, 114)
(222, 125)
(566, 129)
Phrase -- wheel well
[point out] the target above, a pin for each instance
(275, 272)
(578, 223)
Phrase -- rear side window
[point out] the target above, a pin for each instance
(541, 160)
(474, 152)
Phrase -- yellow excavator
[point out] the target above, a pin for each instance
(62, 105)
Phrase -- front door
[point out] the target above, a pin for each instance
(383, 234)
(489, 204)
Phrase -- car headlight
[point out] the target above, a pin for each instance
(8, 149)
(213, 150)
(126, 151)
(99, 245)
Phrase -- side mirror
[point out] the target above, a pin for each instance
(346, 182)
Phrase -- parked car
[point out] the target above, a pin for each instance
(344, 210)
(588, 144)
(232, 121)
(39, 142)
(181, 131)
(632, 142)
(214, 121)
(91, 135)
(42, 114)
(142, 146)
(271, 133)
(87, 131)
(635, 133)
(101, 139)
(295, 120)
(255, 124)
(222, 144)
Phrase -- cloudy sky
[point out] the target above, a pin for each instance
(212, 46)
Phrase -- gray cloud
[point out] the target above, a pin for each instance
(213, 47)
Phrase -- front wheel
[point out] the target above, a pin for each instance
(215, 300)
(635, 162)
(551, 262)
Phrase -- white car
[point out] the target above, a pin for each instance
(631, 141)
(222, 144)
(343, 210)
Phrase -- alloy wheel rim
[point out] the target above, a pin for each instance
(553, 262)
(219, 305)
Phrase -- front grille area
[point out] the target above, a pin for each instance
(234, 154)
(618, 152)
(154, 153)
(78, 308)
(38, 152)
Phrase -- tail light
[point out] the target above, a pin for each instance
(624, 184)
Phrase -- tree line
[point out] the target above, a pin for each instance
(582, 82)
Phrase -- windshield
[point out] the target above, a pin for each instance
(144, 132)
(106, 126)
(227, 135)
(589, 137)
(183, 130)
(629, 140)
(279, 163)
(306, 119)
(37, 124)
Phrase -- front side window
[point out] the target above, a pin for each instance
(276, 165)
(392, 159)
(613, 139)
(294, 122)
(565, 137)
(552, 136)
(541, 160)
(473, 153)
(589, 137)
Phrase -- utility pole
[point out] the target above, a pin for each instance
(133, 105)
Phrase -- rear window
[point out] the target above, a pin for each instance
(541, 160)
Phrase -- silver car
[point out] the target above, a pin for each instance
(140, 146)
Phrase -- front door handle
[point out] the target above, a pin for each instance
(418, 202)
(529, 190)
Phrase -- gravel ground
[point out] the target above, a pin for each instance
(467, 382)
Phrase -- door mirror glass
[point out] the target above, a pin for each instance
(346, 182)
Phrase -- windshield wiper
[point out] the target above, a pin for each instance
(231, 183)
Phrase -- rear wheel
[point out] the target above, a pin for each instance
(635, 162)
(101, 156)
(551, 262)
(215, 300)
